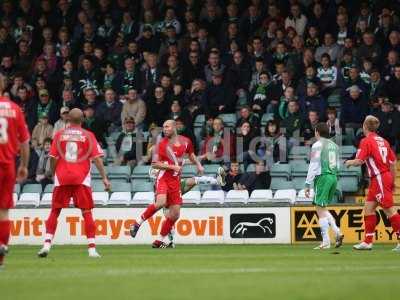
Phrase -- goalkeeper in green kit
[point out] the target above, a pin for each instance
(323, 171)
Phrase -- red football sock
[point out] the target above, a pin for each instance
(51, 224)
(370, 224)
(166, 227)
(5, 226)
(90, 228)
(395, 222)
(149, 212)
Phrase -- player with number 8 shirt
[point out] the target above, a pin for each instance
(72, 151)
(380, 159)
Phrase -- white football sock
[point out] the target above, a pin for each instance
(333, 225)
(205, 179)
(324, 224)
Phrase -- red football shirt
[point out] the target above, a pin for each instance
(376, 153)
(172, 154)
(74, 148)
(13, 130)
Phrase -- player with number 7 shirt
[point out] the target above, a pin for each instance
(380, 159)
(72, 151)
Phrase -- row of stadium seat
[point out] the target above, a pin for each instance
(289, 196)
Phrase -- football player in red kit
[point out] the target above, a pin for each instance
(14, 138)
(380, 159)
(168, 159)
(72, 151)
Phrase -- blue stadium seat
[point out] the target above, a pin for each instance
(281, 171)
(199, 121)
(118, 172)
(229, 119)
(281, 184)
(299, 168)
(265, 118)
(140, 172)
(299, 152)
(142, 186)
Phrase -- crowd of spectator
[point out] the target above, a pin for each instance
(131, 65)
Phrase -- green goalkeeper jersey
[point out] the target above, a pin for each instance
(324, 160)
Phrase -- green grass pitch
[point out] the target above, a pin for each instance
(201, 272)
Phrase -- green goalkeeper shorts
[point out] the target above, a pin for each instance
(325, 189)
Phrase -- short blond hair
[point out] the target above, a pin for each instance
(371, 123)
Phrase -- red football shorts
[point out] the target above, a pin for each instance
(381, 190)
(7, 182)
(171, 188)
(80, 194)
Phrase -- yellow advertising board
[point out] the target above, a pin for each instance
(305, 227)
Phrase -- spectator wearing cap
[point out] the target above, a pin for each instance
(95, 125)
(109, 111)
(393, 87)
(218, 98)
(296, 19)
(88, 75)
(63, 121)
(134, 107)
(128, 78)
(148, 42)
(158, 106)
(354, 107)
(389, 119)
(313, 101)
(43, 106)
(126, 143)
(41, 131)
(330, 47)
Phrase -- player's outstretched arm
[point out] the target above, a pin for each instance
(98, 162)
(353, 162)
(193, 158)
(22, 172)
(163, 166)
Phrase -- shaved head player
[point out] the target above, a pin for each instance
(168, 159)
(72, 151)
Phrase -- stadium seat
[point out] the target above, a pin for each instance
(30, 195)
(139, 185)
(189, 170)
(142, 198)
(118, 172)
(251, 168)
(17, 191)
(299, 152)
(347, 151)
(94, 173)
(211, 169)
(281, 171)
(299, 168)
(265, 118)
(121, 193)
(237, 196)
(191, 197)
(302, 199)
(97, 186)
(299, 182)
(260, 196)
(229, 119)
(213, 197)
(140, 172)
(100, 198)
(352, 171)
(285, 195)
(279, 183)
(47, 195)
(349, 184)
